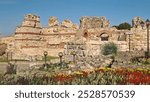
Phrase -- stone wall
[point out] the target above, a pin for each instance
(30, 25)
(31, 39)
(94, 22)
(137, 22)
(139, 39)
(67, 26)
(31, 20)
(77, 47)
(28, 30)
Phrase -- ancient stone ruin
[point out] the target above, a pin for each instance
(94, 22)
(31, 39)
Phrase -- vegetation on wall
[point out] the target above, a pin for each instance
(124, 25)
(109, 48)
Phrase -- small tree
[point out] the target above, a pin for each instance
(109, 48)
(124, 26)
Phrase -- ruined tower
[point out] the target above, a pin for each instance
(30, 25)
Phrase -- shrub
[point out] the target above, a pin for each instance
(122, 26)
(109, 48)
(11, 68)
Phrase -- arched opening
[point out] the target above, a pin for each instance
(104, 37)
(40, 32)
(85, 35)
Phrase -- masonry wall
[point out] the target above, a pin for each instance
(31, 39)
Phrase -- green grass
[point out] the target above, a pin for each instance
(49, 58)
(3, 59)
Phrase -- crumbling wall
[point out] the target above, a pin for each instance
(64, 36)
(94, 22)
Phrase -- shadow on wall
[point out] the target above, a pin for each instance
(3, 48)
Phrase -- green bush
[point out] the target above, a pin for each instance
(123, 26)
(109, 48)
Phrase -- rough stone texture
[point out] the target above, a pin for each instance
(107, 62)
(53, 21)
(94, 22)
(94, 62)
(78, 47)
(31, 20)
(30, 39)
(68, 24)
(30, 25)
(123, 59)
(136, 22)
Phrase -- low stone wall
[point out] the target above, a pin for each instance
(128, 55)
(78, 48)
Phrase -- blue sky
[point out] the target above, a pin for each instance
(117, 11)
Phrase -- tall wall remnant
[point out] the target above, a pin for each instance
(94, 22)
(137, 22)
(30, 37)
(53, 21)
(31, 24)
